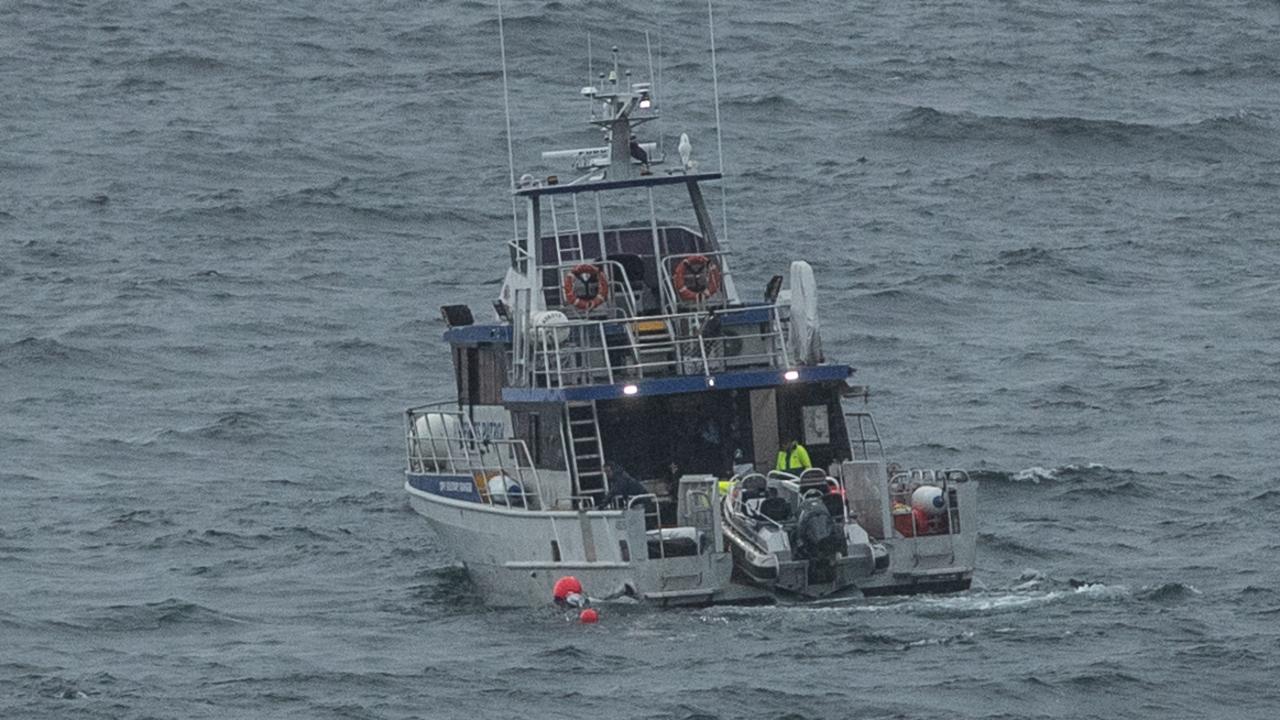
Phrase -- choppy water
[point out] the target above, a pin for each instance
(1045, 233)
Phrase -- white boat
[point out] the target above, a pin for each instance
(794, 534)
(621, 336)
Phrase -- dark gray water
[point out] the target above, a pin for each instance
(1046, 234)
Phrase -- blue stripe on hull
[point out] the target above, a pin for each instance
(681, 384)
(456, 487)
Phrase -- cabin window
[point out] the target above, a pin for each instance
(491, 374)
(624, 550)
(700, 433)
(812, 413)
(817, 425)
(539, 429)
(555, 551)
(473, 376)
(480, 373)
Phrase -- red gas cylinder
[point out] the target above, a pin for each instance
(902, 517)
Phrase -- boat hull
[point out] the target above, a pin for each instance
(515, 556)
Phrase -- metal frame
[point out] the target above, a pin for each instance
(585, 355)
(475, 457)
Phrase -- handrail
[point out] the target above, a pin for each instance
(740, 506)
(579, 351)
(631, 500)
(907, 482)
(668, 284)
(865, 440)
(464, 451)
(618, 276)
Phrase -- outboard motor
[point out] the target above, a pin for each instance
(816, 535)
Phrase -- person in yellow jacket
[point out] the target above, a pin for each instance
(794, 458)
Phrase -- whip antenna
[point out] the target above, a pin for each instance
(648, 48)
(715, 89)
(506, 109)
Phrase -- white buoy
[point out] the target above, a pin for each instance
(930, 499)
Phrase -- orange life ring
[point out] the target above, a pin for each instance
(697, 278)
(585, 287)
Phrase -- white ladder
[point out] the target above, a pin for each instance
(586, 452)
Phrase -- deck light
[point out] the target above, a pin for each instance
(791, 375)
(711, 382)
(630, 389)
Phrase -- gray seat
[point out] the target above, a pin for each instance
(776, 509)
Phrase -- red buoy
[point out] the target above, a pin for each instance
(564, 587)
(589, 616)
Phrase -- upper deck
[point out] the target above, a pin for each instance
(598, 294)
(567, 353)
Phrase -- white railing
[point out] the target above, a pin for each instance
(447, 442)
(615, 274)
(666, 272)
(864, 437)
(902, 487)
(594, 351)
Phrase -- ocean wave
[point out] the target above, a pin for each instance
(237, 425)
(35, 351)
(116, 331)
(134, 520)
(448, 589)
(1214, 134)
(997, 602)
(1087, 479)
(1269, 498)
(168, 613)
(1035, 474)
(1102, 676)
(183, 61)
(769, 102)
(354, 345)
(1167, 592)
(135, 84)
(991, 542)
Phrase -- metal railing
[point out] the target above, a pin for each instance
(904, 483)
(593, 351)
(615, 273)
(864, 436)
(667, 282)
(446, 441)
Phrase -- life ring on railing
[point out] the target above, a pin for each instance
(697, 277)
(585, 287)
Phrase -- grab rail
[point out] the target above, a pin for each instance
(439, 441)
(902, 484)
(589, 351)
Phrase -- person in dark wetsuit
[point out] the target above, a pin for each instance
(638, 152)
(621, 485)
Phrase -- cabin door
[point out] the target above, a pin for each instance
(764, 428)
